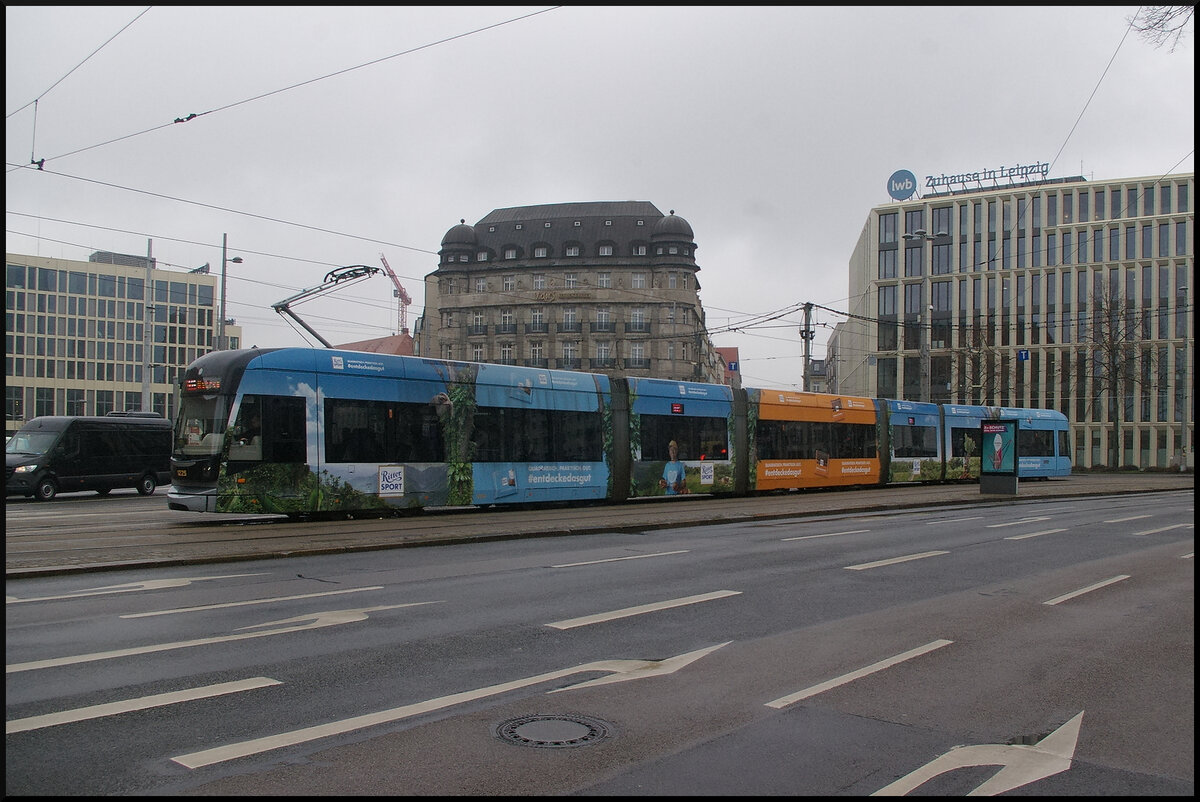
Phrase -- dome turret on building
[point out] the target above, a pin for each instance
(672, 227)
(461, 234)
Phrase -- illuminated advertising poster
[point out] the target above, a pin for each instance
(999, 451)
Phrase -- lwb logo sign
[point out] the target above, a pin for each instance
(902, 185)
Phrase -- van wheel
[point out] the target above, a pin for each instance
(103, 491)
(45, 490)
(146, 485)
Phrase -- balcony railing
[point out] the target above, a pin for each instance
(570, 327)
(632, 363)
(477, 329)
(537, 328)
(506, 328)
(607, 325)
(637, 327)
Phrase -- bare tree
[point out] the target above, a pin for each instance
(975, 366)
(1161, 24)
(1122, 358)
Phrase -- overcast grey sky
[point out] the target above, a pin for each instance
(772, 130)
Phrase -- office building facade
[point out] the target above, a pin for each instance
(107, 335)
(605, 287)
(1068, 294)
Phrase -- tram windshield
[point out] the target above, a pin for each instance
(200, 427)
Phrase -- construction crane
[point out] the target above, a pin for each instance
(403, 300)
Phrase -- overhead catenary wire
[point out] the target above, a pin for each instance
(77, 66)
(195, 115)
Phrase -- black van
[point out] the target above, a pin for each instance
(61, 454)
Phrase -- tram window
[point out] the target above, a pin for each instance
(697, 438)
(914, 441)
(381, 432)
(284, 429)
(776, 439)
(515, 434)
(854, 440)
(1064, 444)
(1035, 443)
(958, 444)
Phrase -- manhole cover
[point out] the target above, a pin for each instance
(553, 731)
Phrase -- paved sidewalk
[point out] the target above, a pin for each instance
(193, 538)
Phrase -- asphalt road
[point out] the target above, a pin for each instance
(821, 653)
(85, 532)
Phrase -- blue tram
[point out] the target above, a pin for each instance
(301, 431)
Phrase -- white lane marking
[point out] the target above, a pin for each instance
(894, 560)
(621, 670)
(139, 703)
(250, 602)
(831, 534)
(1088, 589)
(618, 559)
(582, 621)
(129, 587)
(956, 520)
(1164, 529)
(326, 618)
(1123, 520)
(1034, 534)
(1188, 556)
(813, 690)
(1021, 521)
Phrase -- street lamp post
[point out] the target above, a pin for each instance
(237, 260)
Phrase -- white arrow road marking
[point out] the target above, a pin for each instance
(1088, 589)
(140, 703)
(792, 698)
(316, 621)
(894, 560)
(268, 600)
(1020, 765)
(625, 669)
(643, 608)
(152, 584)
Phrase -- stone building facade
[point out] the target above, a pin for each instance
(605, 287)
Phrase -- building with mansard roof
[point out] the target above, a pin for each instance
(603, 286)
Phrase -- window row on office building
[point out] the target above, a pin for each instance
(107, 335)
(1033, 296)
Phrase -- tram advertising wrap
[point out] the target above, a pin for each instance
(302, 431)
